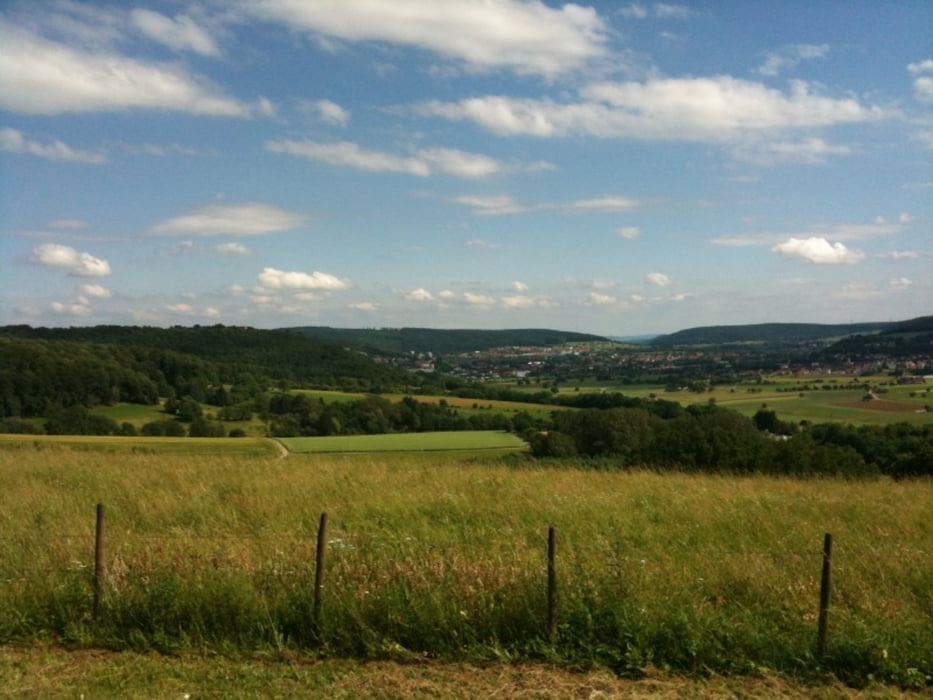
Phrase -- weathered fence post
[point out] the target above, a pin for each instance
(319, 571)
(551, 585)
(826, 586)
(99, 568)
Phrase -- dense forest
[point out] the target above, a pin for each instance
(442, 342)
(767, 334)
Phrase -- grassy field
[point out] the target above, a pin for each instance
(255, 447)
(473, 440)
(431, 557)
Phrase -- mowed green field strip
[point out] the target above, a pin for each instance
(408, 442)
(249, 447)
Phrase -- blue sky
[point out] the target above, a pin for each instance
(609, 167)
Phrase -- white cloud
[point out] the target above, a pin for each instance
(15, 142)
(180, 308)
(601, 299)
(478, 299)
(180, 33)
(42, 76)
(491, 205)
(250, 219)
(900, 255)
(422, 162)
(811, 150)
(900, 283)
(419, 294)
(523, 301)
(658, 10)
(629, 232)
(608, 204)
(790, 56)
(924, 66)
(527, 37)
(519, 286)
(327, 111)
(77, 263)
(78, 308)
(838, 232)
(96, 290)
(233, 249)
(714, 109)
(658, 278)
(819, 251)
(923, 88)
(271, 279)
(481, 243)
(363, 306)
(67, 224)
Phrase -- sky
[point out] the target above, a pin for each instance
(618, 168)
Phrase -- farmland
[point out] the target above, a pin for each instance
(444, 557)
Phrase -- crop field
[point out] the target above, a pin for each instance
(481, 440)
(435, 557)
(804, 398)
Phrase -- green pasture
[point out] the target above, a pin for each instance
(467, 440)
(177, 446)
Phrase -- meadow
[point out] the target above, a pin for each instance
(438, 557)
(461, 440)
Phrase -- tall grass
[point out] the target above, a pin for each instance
(433, 557)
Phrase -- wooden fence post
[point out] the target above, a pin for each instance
(319, 572)
(99, 567)
(826, 586)
(551, 585)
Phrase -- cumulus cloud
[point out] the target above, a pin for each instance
(15, 142)
(180, 33)
(96, 290)
(656, 10)
(839, 232)
(519, 286)
(526, 37)
(790, 56)
(77, 308)
(77, 263)
(419, 294)
(923, 84)
(601, 299)
(363, 306)
(658, 278)
(43, 76)
(271, 279)
(629, 232)
(819, 251)
(250, 219)
(478, 299)
(713, 109)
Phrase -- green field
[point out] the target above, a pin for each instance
(437, 557)
(793, 402)
(479, 440)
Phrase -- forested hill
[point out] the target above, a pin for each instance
(442, 341)
(898, 340)
(772, 334)
(267, 353)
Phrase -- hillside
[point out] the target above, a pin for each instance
(266, 353)
(441, 341)
(771, 334)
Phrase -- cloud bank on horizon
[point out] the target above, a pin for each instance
(616, 168)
